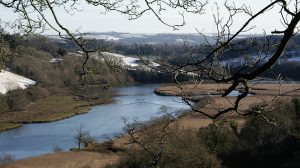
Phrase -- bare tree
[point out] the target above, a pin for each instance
(210, 64)
(6, 159)
(4, 50)
(33, 15)
(82, 138)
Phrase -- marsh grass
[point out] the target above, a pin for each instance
(52, 108)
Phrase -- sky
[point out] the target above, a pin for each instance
(90, 19)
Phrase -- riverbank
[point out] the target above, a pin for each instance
(215, 102)
(107, 155)
(190, 121)
(216, 89)
(5, 126)
(50, 109)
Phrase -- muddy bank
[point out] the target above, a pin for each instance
(218, 89)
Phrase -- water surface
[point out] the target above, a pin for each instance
(103, 122)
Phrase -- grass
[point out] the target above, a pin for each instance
(4, 126)
(52, 108)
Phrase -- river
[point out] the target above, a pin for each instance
(104, 121)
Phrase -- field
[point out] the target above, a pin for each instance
(216, 89)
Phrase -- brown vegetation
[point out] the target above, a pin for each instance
(258, 143)
(218, 89)
(68, 160)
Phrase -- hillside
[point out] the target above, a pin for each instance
(144, 38)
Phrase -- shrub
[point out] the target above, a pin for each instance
(296, 103)
(3, 105)
(6, 159)
(37, 92)
(220, 139)
(16, 100)
(56, 149)
(169, 149)
(259, 132)
(264, 144)
(83, 138)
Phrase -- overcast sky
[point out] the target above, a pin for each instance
(91, 20)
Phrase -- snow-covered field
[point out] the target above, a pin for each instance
(10, 81)
(128, 61)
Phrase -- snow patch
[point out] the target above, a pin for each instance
(184, 40)
(103, 37)
(55, 60)
(10, 81)
(294, 59)
(128, 61)
(155, 64)
(133, 35)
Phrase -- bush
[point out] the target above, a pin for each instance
(103, 147)
(6, 159)
(16, 100)
(169, 149)
(3, 105)
(57, 149)
(258, 132)
(220, 139)
(37, 92)
(264, 144)
(185, 150)
(83, 138)
(296, 103)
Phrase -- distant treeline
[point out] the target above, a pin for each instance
(178, 53)
(31, 58)
(285, 70)
(239, 47)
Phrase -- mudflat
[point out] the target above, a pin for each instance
(259, 93)
(216, 89)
